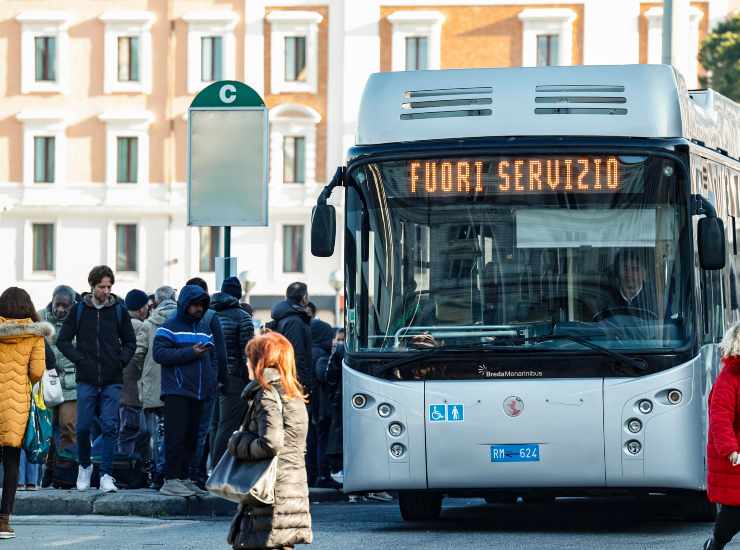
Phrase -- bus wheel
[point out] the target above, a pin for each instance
(696, 507)
(419, 505)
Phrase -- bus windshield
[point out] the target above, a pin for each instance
(500, 250)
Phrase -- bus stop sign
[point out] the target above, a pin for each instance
(227, 156)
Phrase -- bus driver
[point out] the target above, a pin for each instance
(629, 297)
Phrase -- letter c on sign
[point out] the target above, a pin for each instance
(229, 89)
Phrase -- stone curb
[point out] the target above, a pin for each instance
(139, 502)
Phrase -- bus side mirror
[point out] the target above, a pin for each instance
(323, 230)
(711, 243)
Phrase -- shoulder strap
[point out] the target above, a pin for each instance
(79, 308)
(250, 409)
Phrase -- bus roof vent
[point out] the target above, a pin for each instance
(446, 103)
(578, 99)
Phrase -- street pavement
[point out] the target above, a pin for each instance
(464, 525)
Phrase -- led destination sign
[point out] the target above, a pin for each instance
(515, 175)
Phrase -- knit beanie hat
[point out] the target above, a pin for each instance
(136, 299)
(233, 287)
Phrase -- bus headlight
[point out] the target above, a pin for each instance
(385, 410)
(645, 406)
(395, 429)
(674, 397)
(397, 450)
(634, 425)
(359, 401)
(633, 447)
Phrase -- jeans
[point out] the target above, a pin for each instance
(28, 474)
(89, 399)
(727, 525)
(198, 464)
(11, 459)
(181, 421)
(154, 426)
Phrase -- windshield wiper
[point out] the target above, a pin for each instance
(639, 364)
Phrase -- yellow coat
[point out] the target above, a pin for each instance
(22, 358)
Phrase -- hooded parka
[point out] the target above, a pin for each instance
(269, 432)
(293, 321)
(22, 360)
(723, 479)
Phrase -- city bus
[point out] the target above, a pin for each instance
(540, 265)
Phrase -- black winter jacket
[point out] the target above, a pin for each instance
(293, 322)
(238, 330)
(105, 341)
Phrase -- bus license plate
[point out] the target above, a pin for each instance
(529, 452)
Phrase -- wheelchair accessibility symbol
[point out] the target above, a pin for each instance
(437, 413)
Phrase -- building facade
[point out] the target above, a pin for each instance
(93, 116)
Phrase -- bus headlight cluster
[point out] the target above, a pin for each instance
(645, 406)
(359, 401)
(395, 429)
(385, 410)
(634, 425)
(674, 397)
(634, 447)
(397, 450)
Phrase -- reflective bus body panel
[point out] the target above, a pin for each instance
(579, 424)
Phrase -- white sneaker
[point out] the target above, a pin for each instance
(190, 484)
(108, 484)
(83, 477)
(175, 488)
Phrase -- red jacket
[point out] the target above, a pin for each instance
(723, 480)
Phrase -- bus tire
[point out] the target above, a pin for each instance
(697, 507)
(419, 505)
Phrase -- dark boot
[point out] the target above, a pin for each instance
(6, 532)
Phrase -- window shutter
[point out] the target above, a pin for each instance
(51, 59)
(134, 59)
(217, 58)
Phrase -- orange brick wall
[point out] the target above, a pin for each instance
(703, 28)
(479, 36)
(316, 101)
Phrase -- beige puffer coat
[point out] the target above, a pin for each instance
(268, 433)
(22, 359)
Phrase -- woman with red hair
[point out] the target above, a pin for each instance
(723, 460)
(273, 428)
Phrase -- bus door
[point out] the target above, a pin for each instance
(514, 433)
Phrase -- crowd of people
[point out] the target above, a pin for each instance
(155, 385)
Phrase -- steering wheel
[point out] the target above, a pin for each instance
(625, 310)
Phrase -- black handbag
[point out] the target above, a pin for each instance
(245, 481)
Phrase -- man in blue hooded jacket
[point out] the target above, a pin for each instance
(191, 352)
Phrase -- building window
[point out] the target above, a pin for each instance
(294, 159)
(128, 58)
(210, 244)
(547, 37)
(416, 40)
(295, 58)
(126, 247)
(293, 248)
(416, 53)
(43, 247)
(43, 159)
(211, 58)
(211, 47)
(547, 50)
(294, 51)
(46, 58)
(128, 159)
